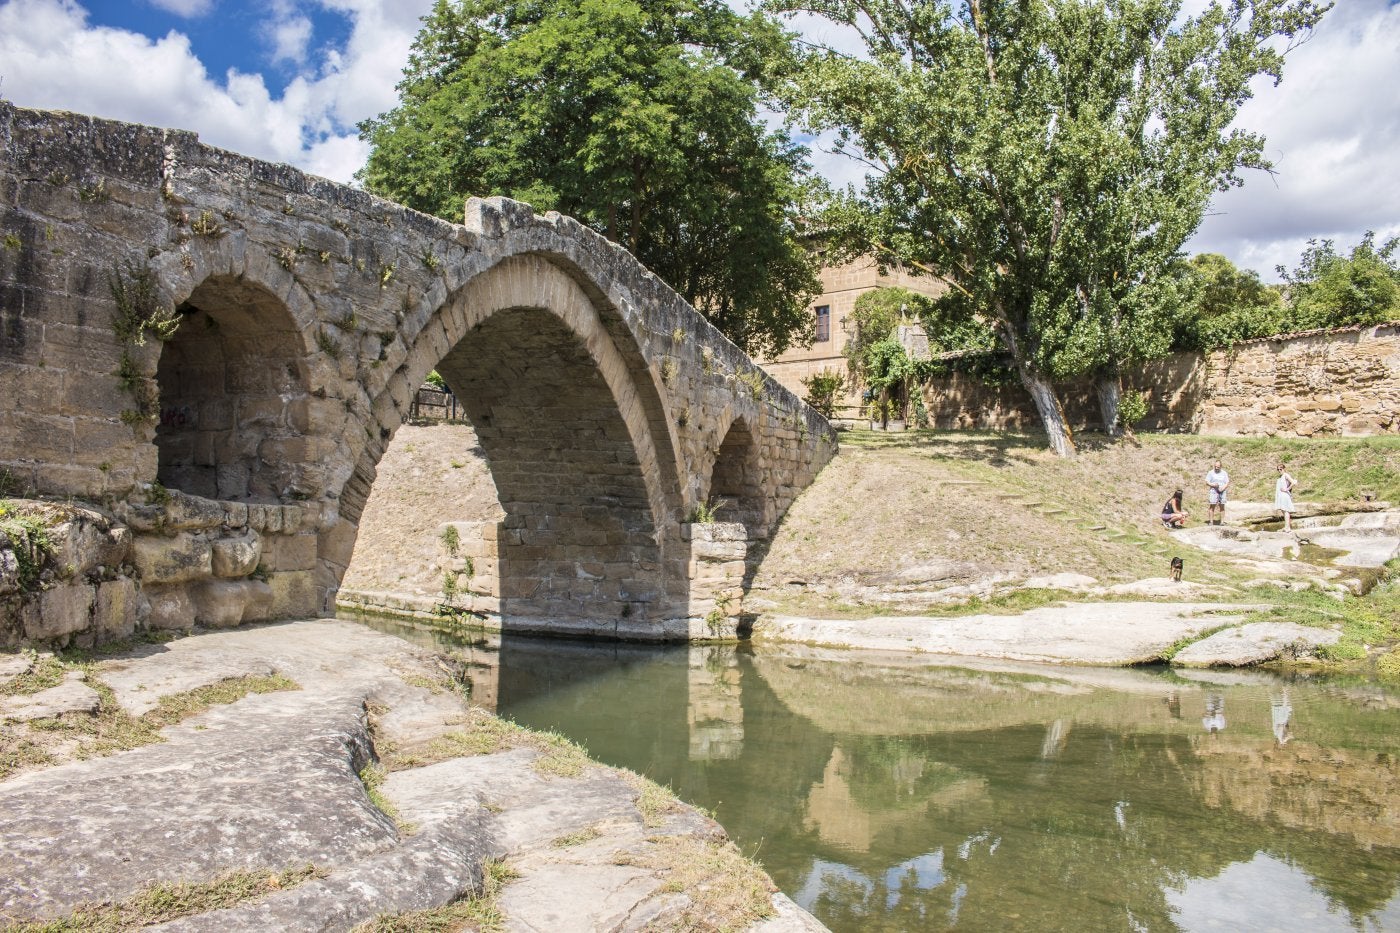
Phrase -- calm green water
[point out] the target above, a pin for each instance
(894, 794)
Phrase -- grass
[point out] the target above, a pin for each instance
(653, 800)
(478, 912)
(1365, 622)
(485, 734)
(110, 729)
(578, 838)
(724, 890)
(161, 903)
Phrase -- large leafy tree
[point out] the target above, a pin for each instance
(637, 117)
(1047, 158)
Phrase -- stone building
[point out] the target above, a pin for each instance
(831, 310)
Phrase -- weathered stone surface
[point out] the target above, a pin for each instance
(177, 511)
(1088, 633)
(12, 665)
(270, 782)
(64, 609)
(170, 607)
(71, 696)
(115, 614)
(219, 603)
(172, 560)
(1255, 643)
(1061, 581)
(236, 556)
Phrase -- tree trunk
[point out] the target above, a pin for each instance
(1052, 413)
(1110, 391)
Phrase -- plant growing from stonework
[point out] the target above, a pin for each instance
(451, 539)
(29, 541)
(140, 312)
(1045, 158)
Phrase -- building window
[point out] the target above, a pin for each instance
(823, 323)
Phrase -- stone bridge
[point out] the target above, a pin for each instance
(209, 354)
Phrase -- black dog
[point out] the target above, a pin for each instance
(1177, 566)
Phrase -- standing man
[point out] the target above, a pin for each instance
(1217, 481)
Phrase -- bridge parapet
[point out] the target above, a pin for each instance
(179, 319)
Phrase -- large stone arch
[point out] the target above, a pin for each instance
(363, 298)
(590, 493)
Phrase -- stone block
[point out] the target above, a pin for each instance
(172, 560)
(169, 608)
(235, 555)
(294, 595)
(290, 552)
(115, 613)
(258, 607)
(59, 611)
(219, 603)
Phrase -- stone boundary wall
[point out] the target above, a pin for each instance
(1339, 382)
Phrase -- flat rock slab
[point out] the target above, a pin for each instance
(1255, 643)
(71, 696)
(1163, 587)
(271, 782)
(1086, 633)
(12, 665)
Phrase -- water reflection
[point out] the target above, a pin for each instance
(893, 794)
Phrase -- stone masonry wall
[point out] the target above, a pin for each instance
(1343, 382)
(195, 333)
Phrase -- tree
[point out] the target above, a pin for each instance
(1229, 305)
(1331, 290)
(1047, 158)
(638, 118)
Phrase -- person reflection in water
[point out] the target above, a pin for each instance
(1214, 719)
(1281, 714)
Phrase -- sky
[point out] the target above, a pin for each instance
(288, 82)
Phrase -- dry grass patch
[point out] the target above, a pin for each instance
(79, 736)
(653, 800)
(476, 913)
(726, 891)
(161, 903)
(485, 734)
(577, 838)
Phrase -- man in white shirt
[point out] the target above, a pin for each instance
(1217, 481)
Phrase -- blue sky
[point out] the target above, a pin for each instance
(288, 81)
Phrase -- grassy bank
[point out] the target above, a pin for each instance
(923, 512)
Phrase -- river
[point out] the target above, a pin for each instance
(908, 792)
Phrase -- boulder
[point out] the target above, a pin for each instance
(219, 603)
(236, 556)
(178, 511)
(115, 613)
(172, 560)
(1255, 643)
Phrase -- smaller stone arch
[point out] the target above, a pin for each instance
(233, 395)
(736, 481)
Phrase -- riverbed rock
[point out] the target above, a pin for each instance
(1255, 643)
(71, 696)
(1061, 581)
(13, 665)
(270, 782)
(1087, 633)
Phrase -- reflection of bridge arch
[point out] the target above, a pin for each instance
(310, 314)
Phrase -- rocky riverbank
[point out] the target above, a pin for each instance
(321, 776)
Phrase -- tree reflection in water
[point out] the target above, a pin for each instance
(899, 795)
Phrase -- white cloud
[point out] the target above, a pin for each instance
(289, 33)
(189, 9)
(52, 57)
(1333, 130)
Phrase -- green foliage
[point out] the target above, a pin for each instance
(451, 539)
(140, 312)
(704, 513)
(640, 120)
(1047, 158)
(29, 540)
(823, 389)
(1228, 305)
(1132, 407)
(1331, 290)
(435, 380)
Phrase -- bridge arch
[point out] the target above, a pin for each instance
(578, 446)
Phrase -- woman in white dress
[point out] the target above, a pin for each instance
(1283, 496)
